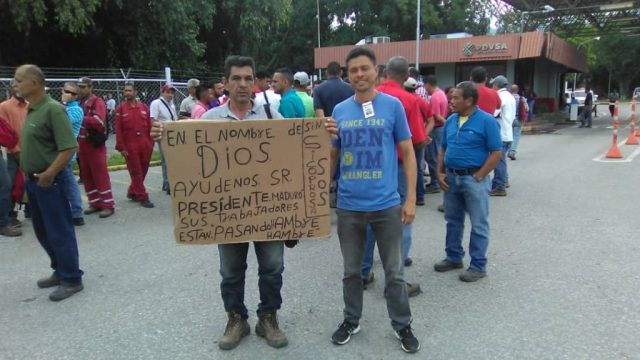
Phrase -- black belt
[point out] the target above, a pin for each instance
(463, 172)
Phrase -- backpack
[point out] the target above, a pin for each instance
(8, 137)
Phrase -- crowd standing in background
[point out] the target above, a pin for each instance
(431, 142)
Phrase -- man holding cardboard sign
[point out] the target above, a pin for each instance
(239, 72)
(367, 129)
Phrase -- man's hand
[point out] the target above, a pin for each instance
(332, 127)
(442, 181)
(156, 130)
(45, 179)
(408, 211)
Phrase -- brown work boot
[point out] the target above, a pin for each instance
(236, 329)
(267, 327)
(91, 210)
(105, 213)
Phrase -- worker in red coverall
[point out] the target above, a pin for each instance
(133, 125)
(93, 152)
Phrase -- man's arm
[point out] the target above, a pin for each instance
(45, 178)
(410, 174)
(319, 113)
(442, 172)
(492, 161)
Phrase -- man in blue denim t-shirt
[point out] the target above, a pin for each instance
(369, 129)
(471, 149)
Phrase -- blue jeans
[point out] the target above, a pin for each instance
(500, 174)
(431, 155)
(233, 264)
(12, 168)
(531, 104)
(5, 192)
(585, 116)
(367, 259)
(387, 225)
(466, 195)
(420, 180)
(71, 191)
(517, 131)
(51, 218)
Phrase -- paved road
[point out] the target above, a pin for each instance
(563, 278)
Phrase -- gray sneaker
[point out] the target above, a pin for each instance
(472, 275)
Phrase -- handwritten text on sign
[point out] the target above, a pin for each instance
(239, 181)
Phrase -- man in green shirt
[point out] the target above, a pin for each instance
(47, 145)
(300, 82)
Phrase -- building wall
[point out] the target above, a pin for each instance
(446, 75)
(511, 71)
(547, 81)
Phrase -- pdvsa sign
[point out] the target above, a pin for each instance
(470, 49)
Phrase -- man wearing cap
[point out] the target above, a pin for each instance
(133, 124)
(290, 104)
(301, 81)
(14, 110)
(163, 109)
(189, 102)
(505, 119)
(47, 147)
(93, 152)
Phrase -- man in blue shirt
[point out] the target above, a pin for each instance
(291, 105)
(75, 113)
(368, 128)
(471, 148)
(331, 92)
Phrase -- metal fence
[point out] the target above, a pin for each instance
(148, 89)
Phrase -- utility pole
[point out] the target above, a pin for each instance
(418, 40)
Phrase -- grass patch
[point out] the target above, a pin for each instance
(117, 159)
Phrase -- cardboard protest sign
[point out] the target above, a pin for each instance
(240, 181)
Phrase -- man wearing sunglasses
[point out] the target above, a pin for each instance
(69, 97)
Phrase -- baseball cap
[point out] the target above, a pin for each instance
(500, 80)
(166, 87)
(411, 83)
(85, 81)
(301, 78)
(193, 82)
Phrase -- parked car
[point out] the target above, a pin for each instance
(581, 95)
(636, 93)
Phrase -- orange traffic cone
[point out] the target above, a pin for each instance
(632, 140)
(614, 150)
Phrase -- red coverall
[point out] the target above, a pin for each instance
(133, 126)
(93, 159)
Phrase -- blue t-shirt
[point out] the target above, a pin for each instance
(469, 146)
(75, 114)
(368, 155)
(330, 93)
(291, 105)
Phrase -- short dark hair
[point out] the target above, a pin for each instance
(130, 83)
(413, 72)
(479, 75)
(469, 90)
(334, 68)
(431, 80)
(262, 75)
(200, 90)
(361, 51)
(238, 61)
(287, 74)
(447, 89)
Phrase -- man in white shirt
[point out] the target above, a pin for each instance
(265, 95)
(505, 117)
(163, 109)
(190, 101)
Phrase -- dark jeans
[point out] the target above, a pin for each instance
(51, 218)
(420, 181)
(5, 192)
(431, 155)
(12, 169)
(233, 265)
(352, 232)
(500, 174)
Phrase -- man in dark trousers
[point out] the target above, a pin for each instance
(47, 145)
(133, 124)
